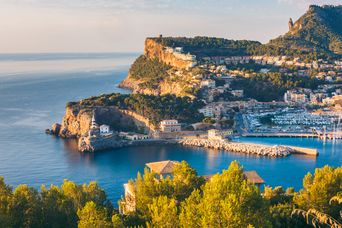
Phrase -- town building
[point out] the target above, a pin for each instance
(207, 111)
(208, 83)
(168, 126)
(133, 136)
(295, 97)
(162, 168)
(237, 93)
(214, 134)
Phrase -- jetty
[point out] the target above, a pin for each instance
(249, 148)
(281, 135)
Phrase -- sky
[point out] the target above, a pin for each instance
(39, 26)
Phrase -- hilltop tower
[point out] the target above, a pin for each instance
(290, 24)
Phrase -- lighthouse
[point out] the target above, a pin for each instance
(94, 130)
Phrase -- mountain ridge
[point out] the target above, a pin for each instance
(318, 30)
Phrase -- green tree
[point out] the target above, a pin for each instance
(25, 207)
(5, 198)
(229, 200)
(318, 189)
(57, 209)
(92, 216)
(149, 187)
(190, 215)
(117, 221)
(164, 213)
(74, 192)
(185, 180)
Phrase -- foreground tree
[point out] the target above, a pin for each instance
(163, 213)
(57, 209)
(319, 189)
(228, 200)
(5, 197)
(25, 207)
(92, 216)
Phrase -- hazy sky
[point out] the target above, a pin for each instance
(122, 25)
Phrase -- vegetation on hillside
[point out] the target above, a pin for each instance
(150, 71)
(317, 34)
(155, 108)
(272, 86)
(183, 200)
(202, 46)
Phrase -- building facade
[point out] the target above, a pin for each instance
(168, 126)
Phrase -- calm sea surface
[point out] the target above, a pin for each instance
(33, 92)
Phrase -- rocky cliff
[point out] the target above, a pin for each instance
(77, 120)
(169, 85)
(162, 70)
(154, 49)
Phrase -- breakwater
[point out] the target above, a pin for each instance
(248, 148)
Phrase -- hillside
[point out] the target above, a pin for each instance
(202, 46)
(317, 32)
(168, 64)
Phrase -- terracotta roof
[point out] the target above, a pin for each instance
(252, 176)
(162, 167)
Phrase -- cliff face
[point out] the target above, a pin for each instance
(166, 86)
(162, 70)
(77, 120)
(154, 49)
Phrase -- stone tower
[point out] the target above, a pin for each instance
(290, 24)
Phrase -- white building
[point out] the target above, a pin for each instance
(295, 96)
(237, 93)
(104, 129)
(207, 111)
(133, 136)
(168, 126)
(208, 83)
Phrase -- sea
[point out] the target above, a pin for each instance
(34, 89)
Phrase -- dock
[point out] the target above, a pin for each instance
(281, 135)
(304, 151)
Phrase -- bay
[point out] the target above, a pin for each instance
(34, 89)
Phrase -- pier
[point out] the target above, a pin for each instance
(304, 151)
(281, 135)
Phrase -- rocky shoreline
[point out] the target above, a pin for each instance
(246, 148)
(88, 145)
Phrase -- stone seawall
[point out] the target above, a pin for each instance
(246, 148)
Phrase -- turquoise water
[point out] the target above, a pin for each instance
(33, 93)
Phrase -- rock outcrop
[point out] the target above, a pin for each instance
(168, 86)
(154, 49)
(77, 120)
